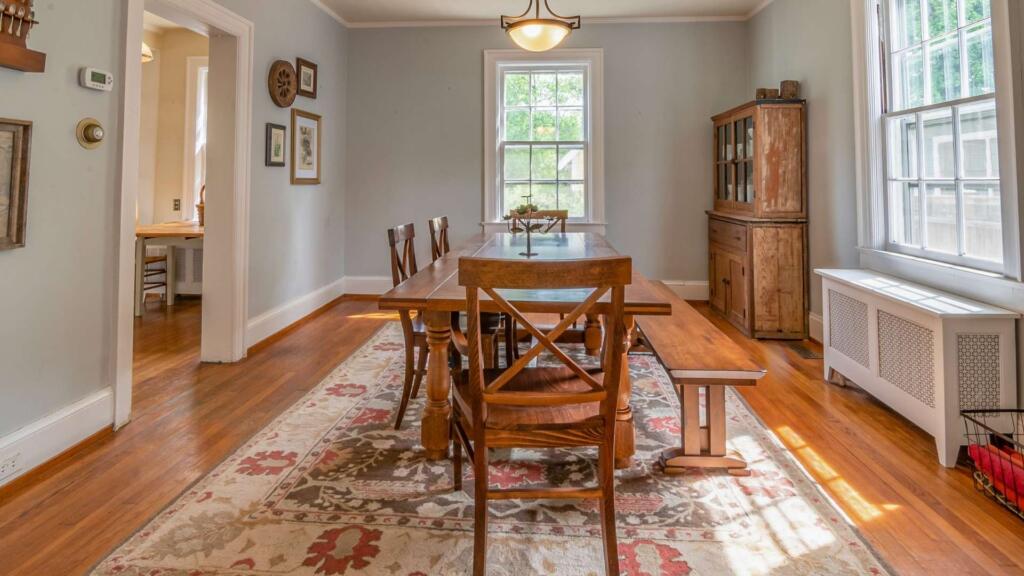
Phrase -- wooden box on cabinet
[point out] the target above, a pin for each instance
(758, 274)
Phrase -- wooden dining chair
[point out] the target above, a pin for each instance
(439, 246)
(403, 266)
(541, 407)
(554, 218)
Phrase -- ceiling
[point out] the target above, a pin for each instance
(427, 12)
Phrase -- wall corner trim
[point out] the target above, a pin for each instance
(56, 432)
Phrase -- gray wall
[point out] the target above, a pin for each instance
(296, 233)
(415, 138)
(811, 42)
(57, 293)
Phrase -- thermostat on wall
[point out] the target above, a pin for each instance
(96, 79)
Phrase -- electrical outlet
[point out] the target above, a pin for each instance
(9, 465)
(177, 204)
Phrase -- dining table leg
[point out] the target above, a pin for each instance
(437, 413)
(592, 335)
(625, 443)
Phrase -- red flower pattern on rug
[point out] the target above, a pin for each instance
(336, 550)
(372, 416)
(636, 559)
(267, 463)
(346, 390)
(668, 424)
(509, 475)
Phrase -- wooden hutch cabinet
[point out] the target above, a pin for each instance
(757, 232)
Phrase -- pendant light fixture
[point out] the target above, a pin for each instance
(147, 53)
(536, 34)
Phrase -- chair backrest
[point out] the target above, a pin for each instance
(403, 253)
(438, 236)
(554, 218)
(584, 281)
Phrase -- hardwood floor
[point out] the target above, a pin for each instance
(68, 515)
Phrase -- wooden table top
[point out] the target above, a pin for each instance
(170, 230)
(436, 287)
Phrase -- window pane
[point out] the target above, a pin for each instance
(981, 76)
(570, 89)
(570, 163)
(517, 163)
(906, 23)
(905, 213)
(944, 64)
(517, 125)
(514, 196)
(544, 160)
(570, 124)
(544, 86)
(942, 17)
(908, 84)
(544, 124)
(983, 232)
(545, 196)
(517, 89)
(979, 145)
(722, 190)
(571, 198)
(750, 137)
(903, 147)
(976, 10)
(938, 144)
(940, 217)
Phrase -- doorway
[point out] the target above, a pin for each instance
(226, 156)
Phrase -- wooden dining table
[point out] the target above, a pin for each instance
(435, 292)
(186, 234)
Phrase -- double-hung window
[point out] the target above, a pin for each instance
(943, 198)
(543, 144)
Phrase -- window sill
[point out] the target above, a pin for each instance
(987, 287)
(502, 226)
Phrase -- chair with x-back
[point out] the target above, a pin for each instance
(438, 236)
(557, 404)
(403, 265)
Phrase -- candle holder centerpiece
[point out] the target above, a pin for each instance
(523, 219)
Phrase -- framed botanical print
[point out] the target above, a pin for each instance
(305, 147)
(15, 143)
(276, 144)
(306, 71)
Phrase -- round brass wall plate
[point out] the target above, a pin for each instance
(90, 133)
(282, 83)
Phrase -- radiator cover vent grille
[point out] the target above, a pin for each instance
(906, 353)
(977, 366)
(848, 327)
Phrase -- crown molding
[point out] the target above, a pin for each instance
(330, 12)
(491, 21)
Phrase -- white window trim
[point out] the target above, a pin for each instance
(593, 59)
(871, 210)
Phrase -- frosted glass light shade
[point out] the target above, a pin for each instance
(538, 35)
(147, 53)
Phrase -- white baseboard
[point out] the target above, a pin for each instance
(815, 327)
(689, 289)
(277, 319)
(367, 284)
(46, 438)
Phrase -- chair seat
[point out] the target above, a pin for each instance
(531, 426)
(155, 259)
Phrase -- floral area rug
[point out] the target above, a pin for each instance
(331, 488)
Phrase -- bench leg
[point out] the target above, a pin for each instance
(702, 447)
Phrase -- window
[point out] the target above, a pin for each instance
(943, 196)
(543, 144)
(544, 122)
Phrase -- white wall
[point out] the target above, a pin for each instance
(415, 138)
(810, 42)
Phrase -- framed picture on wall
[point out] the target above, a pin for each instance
(307, 74)
(15, 142)
(305, 147)
(276, 144)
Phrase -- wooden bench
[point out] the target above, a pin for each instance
(696, 355)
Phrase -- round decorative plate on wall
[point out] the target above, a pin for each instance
(282, 83)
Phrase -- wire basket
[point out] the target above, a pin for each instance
(995, 445)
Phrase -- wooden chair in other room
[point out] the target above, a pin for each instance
(540, 407)
(155, 266)
(403, 265)
(439, 247)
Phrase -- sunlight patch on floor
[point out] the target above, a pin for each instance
(382, 315)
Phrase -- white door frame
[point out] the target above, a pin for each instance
(189, 197)
(226, 256)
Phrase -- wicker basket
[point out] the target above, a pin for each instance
(997, 458)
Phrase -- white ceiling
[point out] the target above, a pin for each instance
(425, 12)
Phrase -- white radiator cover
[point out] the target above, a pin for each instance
(925, 353)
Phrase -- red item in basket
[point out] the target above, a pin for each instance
(1005, 469)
